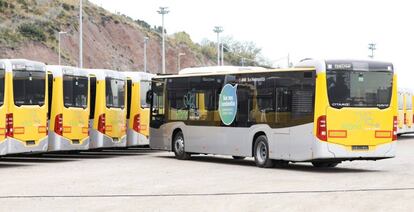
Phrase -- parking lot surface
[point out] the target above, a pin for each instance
(145, 180)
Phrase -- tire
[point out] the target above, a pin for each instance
(178, 147)
(324, 164)
(238, 157)
(261, 153)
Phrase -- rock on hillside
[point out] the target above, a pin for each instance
(29, 29)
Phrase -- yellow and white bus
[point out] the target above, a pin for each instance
(107, 120)
(26, 106)
(68, 108)
(322, 111)
(405, 111)
(138, 83)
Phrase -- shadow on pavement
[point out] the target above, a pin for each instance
(31, 159)
(290, 167)
(405, 137)
(10, 165)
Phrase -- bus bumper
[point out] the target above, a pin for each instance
(15, 146)
(60, 143)
(100, 140)
(3, 147)
(326, 151)
(136, 139)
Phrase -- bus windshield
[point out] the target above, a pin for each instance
(145, 86)
(29, 87)
(115, 93)
(348, 88)
(75, 91)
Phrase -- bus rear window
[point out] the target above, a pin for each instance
(29, 87)
(359, 88)
(2, 74)
(145, 86)
(115, 93)
(75, 91)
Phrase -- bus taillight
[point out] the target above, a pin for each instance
(137, 123)
(321, 128)
(9, 125)
(101, 123)
(394, 128)
(59, 124)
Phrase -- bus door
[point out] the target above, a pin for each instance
(157, 119)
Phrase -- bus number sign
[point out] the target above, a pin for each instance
(228, 104)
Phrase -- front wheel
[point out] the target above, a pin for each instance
(178, 147)
(324, 164)
(261, 153)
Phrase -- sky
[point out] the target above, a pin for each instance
(299, 28)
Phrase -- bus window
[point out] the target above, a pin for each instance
(2, 74)
(409, 102)
(144, 87)
(50, 93)
(29, 88)
(180, 99)
(115, 93)
(359, 88)
(129, 94)
(93, 97)
(157, 113)
(75, 91)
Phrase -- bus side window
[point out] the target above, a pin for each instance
(50, 93)
(129, 93)
(92, 96)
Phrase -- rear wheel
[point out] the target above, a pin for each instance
(261, 153)
(238, 157)
(178, 147)
(324, 164)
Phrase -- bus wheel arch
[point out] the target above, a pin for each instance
(256, 135)
(177, 145)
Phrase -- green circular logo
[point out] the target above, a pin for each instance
(228, 104)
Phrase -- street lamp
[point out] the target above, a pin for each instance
(59, 39)
(218, 30)
(80, 35)
(372, 47)
(179, 60)
(145, 53)
(163, 11)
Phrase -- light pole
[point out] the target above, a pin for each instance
(145, 53)
(222, 54)
(372, 47)
(218, 30)
(80, 35)
(179, 60)
(59, 39)
(163, 11)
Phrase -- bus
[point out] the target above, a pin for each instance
(107, 117)
(405, 111)
(68, 108)
(321, 111)
(138, 83)
(26, 106)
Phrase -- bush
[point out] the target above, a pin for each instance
(32, 31)
(66, 7)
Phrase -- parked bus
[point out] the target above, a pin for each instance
(323, 112)
(138, 83)
(68, 108)
(25, 103)
(107, 120)
(405, 111)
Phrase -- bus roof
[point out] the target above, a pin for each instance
(136, 76)
(245, 70)
(58, 71)
(22, 64)
(101, 74)
(345, 64)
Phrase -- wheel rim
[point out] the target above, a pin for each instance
(179, 145)
(261, 152)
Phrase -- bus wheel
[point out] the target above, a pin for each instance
(238, 158)
(261, 153)
(324, 164)
(178, 147)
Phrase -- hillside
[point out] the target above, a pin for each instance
(29, 29)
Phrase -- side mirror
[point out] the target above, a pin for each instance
(148, 97)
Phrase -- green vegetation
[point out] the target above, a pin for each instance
(32, 31)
